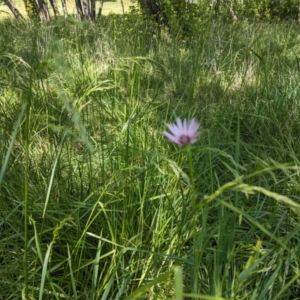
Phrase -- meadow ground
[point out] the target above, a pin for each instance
(116, 211)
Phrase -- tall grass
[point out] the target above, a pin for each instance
(97, 204)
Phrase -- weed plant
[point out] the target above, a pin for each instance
(95, 203)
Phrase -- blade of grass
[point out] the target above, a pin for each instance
(11, 143)
(45, 271)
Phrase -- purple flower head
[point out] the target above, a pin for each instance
(182, 132)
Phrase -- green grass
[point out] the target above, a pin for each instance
(108, 200)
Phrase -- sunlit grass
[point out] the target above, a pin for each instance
(115, 7)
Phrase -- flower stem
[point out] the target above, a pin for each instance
(192, 178)
(194, 221)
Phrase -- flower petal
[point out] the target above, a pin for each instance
(179, 123)
(193, 128)
(173, 128)
(185, 127)
(171, 137)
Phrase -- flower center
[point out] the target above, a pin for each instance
(184, 139)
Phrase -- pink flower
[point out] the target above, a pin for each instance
(183, 133)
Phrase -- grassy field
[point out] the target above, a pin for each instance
(108, 7)
(95, 202)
